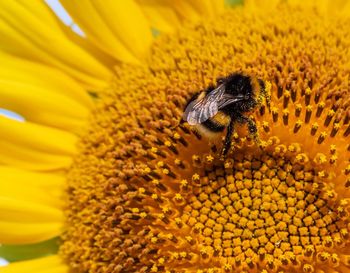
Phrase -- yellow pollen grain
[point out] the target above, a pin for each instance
(274, 110)
(160, 198)
(337, 126)
(299, 123)
(209, 158)
(195, 176)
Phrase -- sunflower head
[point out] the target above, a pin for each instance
(146, 195)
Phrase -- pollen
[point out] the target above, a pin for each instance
(147, 194)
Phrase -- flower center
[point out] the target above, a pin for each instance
(146, 195)
(264, 210)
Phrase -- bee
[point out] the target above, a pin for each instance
(219, 107)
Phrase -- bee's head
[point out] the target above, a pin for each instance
(239, 85)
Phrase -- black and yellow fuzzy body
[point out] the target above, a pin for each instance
(219, 107)
(213, 127)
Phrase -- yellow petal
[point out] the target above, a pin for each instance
(14, 233)
(30, 159)
(218, 6)
(17, 69)
(321, 5)
(204, 7)
(165, 15)
(16, 210)
(98, 30)
(50, 264)
(41, 106)
(28, 221)
(345, 12)
(261, 6)
(82, 42)
(41, 188)
(329, 8)
(26, 35)
(39, 137)
(35, 147)
(302, 2)
(184, 9)
(338, 8)
(28, 233)
(46, 181)
(38, 104)
(160, 16)
(128, 23)
(42, 11)
(30, 194)
(73, 36)
(20, 211)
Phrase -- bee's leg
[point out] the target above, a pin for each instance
(227, 143)
(253, 130)
(267, 99)
(265, 92)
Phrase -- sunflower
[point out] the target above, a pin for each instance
(101, 163)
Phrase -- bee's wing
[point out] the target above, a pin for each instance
(199, 111)
(228, 99)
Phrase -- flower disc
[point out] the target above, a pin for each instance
(146, 195)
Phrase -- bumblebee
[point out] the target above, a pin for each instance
(221, 106)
